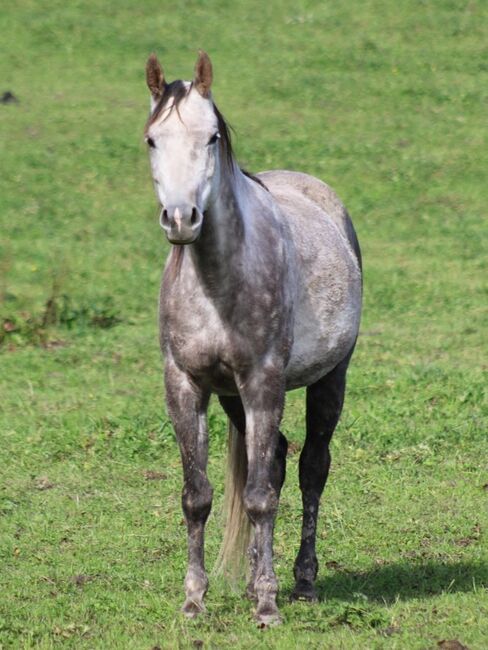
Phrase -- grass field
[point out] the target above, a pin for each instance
(387, 103)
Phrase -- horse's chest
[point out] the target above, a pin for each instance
(198, 339)
(218, 330)
(195, 333)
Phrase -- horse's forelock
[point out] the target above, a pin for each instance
(177, 91)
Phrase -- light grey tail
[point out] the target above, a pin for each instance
(233, 552)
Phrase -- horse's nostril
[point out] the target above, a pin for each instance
(194, 216)
(164, 217)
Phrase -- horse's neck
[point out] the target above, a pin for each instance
(218, 251)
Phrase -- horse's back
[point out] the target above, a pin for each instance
(327, 273)
(283, 183)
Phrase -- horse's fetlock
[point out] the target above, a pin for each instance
(306, 568)
(260, 502)
(266, 585)
(196, 582)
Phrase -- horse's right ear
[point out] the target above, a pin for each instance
(155, 77)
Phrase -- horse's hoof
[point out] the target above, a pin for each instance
(192, 608)
(268, 620)
(267, 616)
(304, 591)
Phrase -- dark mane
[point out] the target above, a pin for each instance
(225, 138)
(177, 91)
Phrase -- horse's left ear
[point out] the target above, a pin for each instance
(203, 74)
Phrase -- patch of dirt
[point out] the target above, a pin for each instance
(470, 539)
(82, 579)
(332, 565)
(43, 483)
(452, 644)
(71, 629)
(8, 98)
(54, 344)
(293, 448)
(152, 475)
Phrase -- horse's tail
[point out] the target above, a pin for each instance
(237, 532)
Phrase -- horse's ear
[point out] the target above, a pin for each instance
(203, 74)
(155, 77)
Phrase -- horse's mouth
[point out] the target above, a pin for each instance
(179, 241)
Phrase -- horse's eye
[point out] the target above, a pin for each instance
(151, 143)
(214, 138)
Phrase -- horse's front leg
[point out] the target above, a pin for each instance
(187, 406)
(278, 473)
(262, 395)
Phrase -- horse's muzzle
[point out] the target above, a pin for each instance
(182, 224)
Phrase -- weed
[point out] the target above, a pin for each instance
(23, 328)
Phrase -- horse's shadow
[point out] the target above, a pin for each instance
(402, 580)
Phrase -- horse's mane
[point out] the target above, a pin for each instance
(177, 91)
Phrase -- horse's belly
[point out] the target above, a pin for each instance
(317, 349)
(327, 313)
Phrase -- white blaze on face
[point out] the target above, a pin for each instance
(184, 159)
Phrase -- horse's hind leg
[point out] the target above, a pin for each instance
(187, 408)
(325, 399)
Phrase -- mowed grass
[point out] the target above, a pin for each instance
(387, 103)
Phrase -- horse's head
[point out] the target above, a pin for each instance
(183, 133)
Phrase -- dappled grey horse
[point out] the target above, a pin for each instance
(261, 294)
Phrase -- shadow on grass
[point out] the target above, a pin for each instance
(404, 580)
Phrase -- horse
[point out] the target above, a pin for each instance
(261, 294)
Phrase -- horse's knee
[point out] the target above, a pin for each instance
(260, 502)
(197, 500)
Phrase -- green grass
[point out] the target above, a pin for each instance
(387, 103)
